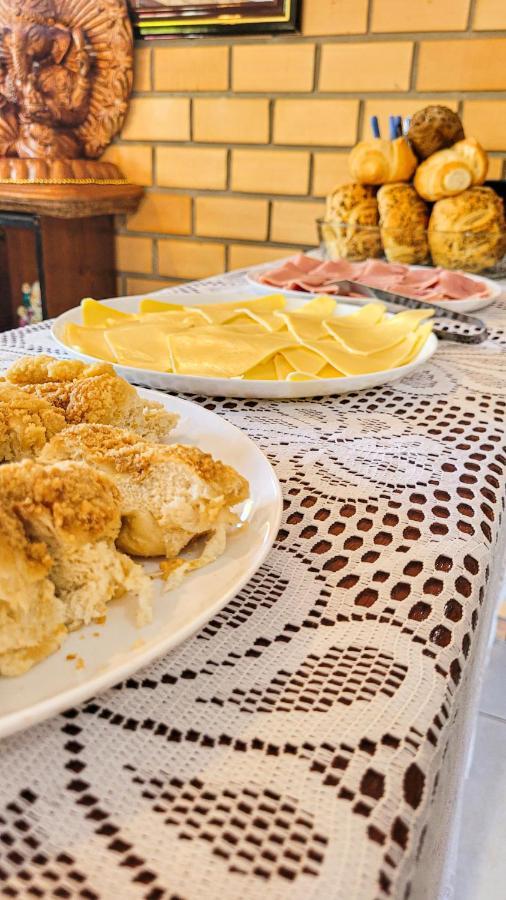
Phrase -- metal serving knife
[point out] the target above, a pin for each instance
(448, 325)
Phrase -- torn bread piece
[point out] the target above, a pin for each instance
(169, 494)
(31, 616)
(91, 394)
(26, 423)
(75, 513)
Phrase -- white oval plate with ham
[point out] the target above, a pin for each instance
(236, 387)
(291, 272)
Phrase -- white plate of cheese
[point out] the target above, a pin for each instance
(153, 375)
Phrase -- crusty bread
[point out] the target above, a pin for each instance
(434, 128)
(350, 230)
(451, 171)
(377, 161)
(403, 220)
(74, 512)
(26, 423)
(31, 616)
(91, 393)
(169, 494)
(468, 231)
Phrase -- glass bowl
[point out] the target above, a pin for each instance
(482, 252)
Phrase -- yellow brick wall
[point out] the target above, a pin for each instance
(237, 142)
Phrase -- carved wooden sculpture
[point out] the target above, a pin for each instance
(65, 79)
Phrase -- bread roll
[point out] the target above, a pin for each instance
(468, 231)
(403, 223)
(382, 162)
(434, 128)
(451, 171)
(350, 230)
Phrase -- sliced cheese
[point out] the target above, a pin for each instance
(282, 366)
(321, 307)
(143, 346)
(357, 364)
(90, 341)
(422, 335)
(364, 317)
(266, 371)
(222, 353)
(303, 328)
(147, 305)
(329, 372)
(98, 315)
(303, 360)
(384, 334)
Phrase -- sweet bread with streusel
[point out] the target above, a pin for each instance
(403, 223)
(468, 231)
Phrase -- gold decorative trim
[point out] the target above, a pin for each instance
(230, 19)
(64, 181)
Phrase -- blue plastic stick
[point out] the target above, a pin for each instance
(375, 127)
(392, 121)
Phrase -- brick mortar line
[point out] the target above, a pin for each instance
(317, 67)
(414, 66)
(412, 93)
(471, 16)
(294, 148)
(202, 239)
(224, 194)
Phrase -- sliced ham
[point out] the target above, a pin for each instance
(305, 274)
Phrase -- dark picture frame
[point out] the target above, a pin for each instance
(197, 18)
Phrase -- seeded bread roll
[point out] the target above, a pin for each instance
(434, 128)
(351, 227)
(468, 231)
(403, 222)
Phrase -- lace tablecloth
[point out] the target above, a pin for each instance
(310, 740)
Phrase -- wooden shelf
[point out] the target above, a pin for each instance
(70, 201)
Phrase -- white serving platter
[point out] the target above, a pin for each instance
(118, 648)
(470, 304)
(236, 387)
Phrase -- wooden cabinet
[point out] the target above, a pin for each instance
(63, 239)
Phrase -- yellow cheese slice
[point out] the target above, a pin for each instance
(383, 335)
(321, 307)
(355, 364)
(147, 305)
(173, 318)
(282, 366)
(220, 313)
(222, 353)
(303, 328)
(89, 341)
(300, 376)
(364, 317)
(266, 371)
(303, 360)
(98, 315)
(142, 345)
(329, 372)
(422, 335)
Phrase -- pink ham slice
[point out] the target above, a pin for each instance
(305, 274)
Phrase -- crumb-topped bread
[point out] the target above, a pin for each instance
(75, 513)
(31, 616)
(169, 494)
(91, 394)
(26, 423)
